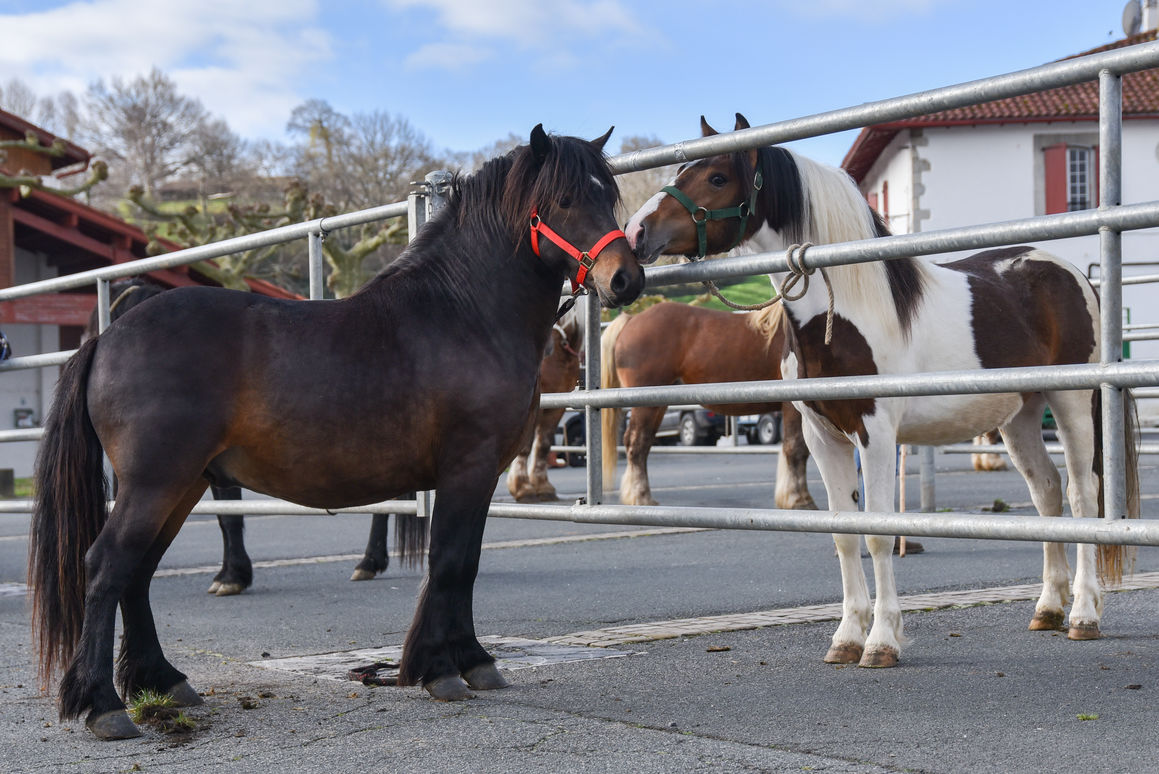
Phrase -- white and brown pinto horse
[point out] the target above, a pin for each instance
(1015, 306)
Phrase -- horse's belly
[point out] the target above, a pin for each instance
(942, 419)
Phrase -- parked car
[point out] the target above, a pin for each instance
(691, 426)
(688, 426)
(763, 429)
(572, 432)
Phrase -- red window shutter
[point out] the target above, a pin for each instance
(872, 199)
(1054, 167)
(885, 199)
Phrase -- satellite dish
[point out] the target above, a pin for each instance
(1132, 18)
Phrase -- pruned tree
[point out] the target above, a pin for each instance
(26, 181)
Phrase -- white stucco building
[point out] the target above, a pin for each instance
(1020, 157)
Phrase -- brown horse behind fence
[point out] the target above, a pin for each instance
(672, 343)
(559, 372)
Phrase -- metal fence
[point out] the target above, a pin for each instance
(1110, 376)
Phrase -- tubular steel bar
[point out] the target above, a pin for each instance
(1012, 232)
(956, 525)
(595, 441)
(214, 250)
(1065, 73)
(1135, 373)
(1111, 290)
(317, 286)
(104, 306)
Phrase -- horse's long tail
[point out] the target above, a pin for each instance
(410, 538)
(1113, 559)
(70, 510)
(609, 377)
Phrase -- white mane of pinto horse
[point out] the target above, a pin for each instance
(1009, 307)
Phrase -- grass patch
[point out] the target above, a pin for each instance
(145, 703)
(753, 290)
(160, 711)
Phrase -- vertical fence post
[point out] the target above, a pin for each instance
(1111, 290)
(595, 442)
(427, 198)
(317, 287)
(927, 477)
(103, 304)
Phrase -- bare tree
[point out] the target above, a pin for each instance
(638, 187)
(145, 126)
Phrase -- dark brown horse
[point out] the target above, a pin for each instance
(237, 573)
(672, 343)
(559, 372)
(427, 378)
(1008, 307)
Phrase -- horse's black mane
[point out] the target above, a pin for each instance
(493, 205)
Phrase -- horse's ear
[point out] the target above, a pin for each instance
(600, 142)
(705, 129)
(741, 123)
(540, 143)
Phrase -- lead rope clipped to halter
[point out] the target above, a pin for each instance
(798, 273)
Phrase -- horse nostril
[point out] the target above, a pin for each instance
(620, 282)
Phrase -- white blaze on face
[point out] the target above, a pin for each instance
(633, 229)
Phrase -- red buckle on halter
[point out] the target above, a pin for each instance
(586, 260)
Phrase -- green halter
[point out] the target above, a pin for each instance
(701, 216)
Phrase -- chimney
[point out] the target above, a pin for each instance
(1150, 15)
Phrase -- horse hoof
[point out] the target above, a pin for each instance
(361, 575)
(882, 658)
(229, 589)
(485, 677)
(213, 587)
(449, 688)
(183, 695)
(846, 653)
(1046, 621)
(1084, 631)
(114, 724)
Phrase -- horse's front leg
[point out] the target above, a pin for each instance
(540, 450)
(878, 469)
(441, 651)
(834, 456)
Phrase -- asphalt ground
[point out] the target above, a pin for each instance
(974, 691)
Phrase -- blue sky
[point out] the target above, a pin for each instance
(468, 72)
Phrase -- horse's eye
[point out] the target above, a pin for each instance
(718, 180)
(565, 202)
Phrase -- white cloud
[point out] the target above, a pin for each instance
(862, 10)
(448, 56)
(558, 30)
(241, 59)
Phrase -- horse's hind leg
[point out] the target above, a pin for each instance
(142, 664)
(638, 440)
(237, 571)
(1074, 413)
(375, 559)
(1023, 437)
(792, 490)
(112, 565)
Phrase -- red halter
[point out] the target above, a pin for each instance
(586, 260)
